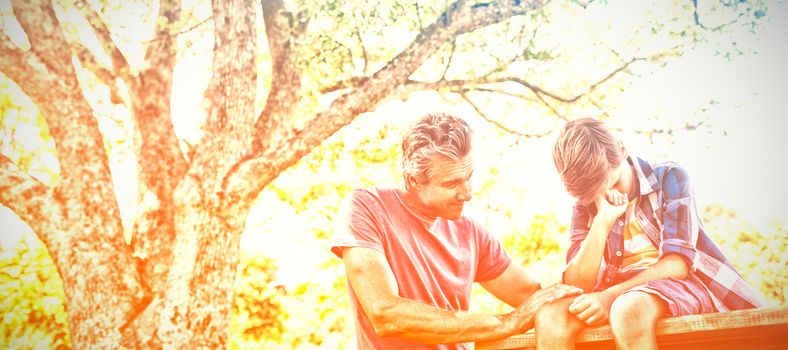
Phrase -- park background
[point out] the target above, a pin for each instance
(706, 92)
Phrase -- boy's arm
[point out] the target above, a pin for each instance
(583, 269)
(594, 308)
(373, 282)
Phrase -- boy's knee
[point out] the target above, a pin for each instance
(625, 309)
(553, 326)
(554, 320)
(633, 316)
(635, 308)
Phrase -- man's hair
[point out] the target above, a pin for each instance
(430, 137)
(584, 155)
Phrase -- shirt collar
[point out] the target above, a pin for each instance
(647, 178)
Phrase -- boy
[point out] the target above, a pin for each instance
(637, 245)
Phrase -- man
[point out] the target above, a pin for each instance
(411, 257)
(637, 245)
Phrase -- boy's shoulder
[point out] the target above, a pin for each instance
(659, 167)
(656, 170)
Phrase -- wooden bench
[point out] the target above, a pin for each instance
(765, 328)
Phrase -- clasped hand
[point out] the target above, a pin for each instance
(610, 205)
(593, 308)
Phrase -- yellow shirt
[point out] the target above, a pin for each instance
(639, 252)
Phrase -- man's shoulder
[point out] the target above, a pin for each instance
(376, 199)
(370, 194)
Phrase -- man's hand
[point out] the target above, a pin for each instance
(593, 308)
(522, 318)
(610, 205)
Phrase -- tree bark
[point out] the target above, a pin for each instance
(208, 227)
(87, 245)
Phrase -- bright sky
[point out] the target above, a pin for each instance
(740, 164)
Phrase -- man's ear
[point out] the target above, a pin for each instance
(410, 182)
(413, 183)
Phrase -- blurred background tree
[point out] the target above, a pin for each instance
(516, 77)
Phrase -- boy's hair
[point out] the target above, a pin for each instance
(430, 137)
(584, 154)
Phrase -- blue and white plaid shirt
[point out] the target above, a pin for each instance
(667, 212)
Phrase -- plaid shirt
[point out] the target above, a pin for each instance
(667, 212)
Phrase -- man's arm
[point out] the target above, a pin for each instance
(391, 315)
(513, 286)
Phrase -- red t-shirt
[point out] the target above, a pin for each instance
(436, 266)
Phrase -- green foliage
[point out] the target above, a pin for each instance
(345, 37)
(32, 306)
(257, 309)
(759, 256)
(538, 240)
(318, 312)
(311, 315)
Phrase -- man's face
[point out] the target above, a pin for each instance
(447, 190)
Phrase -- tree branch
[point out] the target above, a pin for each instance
(285, 81)
(88, 61)
(160, 161)
(448, 63)
(48, 75)
(35, 20)
(287, 147)
(357, 33)
(31, 200)
(583, 4)
(159, 157)
(669, 131)
(120, 66)
(698, 22)
(496, 123)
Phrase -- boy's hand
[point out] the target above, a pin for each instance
(611, 205)
(593, 308)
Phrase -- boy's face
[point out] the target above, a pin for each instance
(447, 190)
(615, 180)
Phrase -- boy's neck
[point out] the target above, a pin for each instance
(632, 183)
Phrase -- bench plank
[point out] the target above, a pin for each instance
(751, 329)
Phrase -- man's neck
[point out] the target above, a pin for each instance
(412, 202)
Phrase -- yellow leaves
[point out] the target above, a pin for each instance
(539, 239)
(32, 306)
(758, 255)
